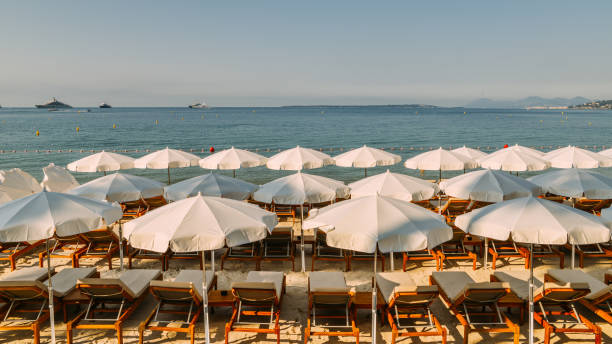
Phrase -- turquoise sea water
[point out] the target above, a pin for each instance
(406, 130)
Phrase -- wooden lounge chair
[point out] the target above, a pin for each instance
(101, 244)
(197, 256)
(183, 296)
(593, 206)
(475, 305)
(284, 211)
(599, 300)
(25, 292)
(126, 292)
(134, 209)
(65, 248)
(505, 249)
(361, 256)
(542, 251)
(454, 207)
(553, 198)
(419, 256)
(408, 306)
(454, 249)
(136, 253)
(259, 300)
(11, 251)
(155, 202)
(278, 246)
(598, 251)
(321, 251)
(248, 252)
(330, 306)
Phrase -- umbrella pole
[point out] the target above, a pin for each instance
(168, 175)
(374, 298)
(365, 172)
(51, 310)
(104, 173)
(302, 237)
(234, 173)
(573, 255)
(392, 263)
(205, 299)
(120, 246)
(531, 293)
(212, 261)
(486, 253)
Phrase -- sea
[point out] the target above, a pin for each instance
(32, 138)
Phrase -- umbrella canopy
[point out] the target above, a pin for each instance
(471, 153)
(211, 184)
(299, 158)
(41, 215)
(232, 159)
(440, 159)
(120, 188)
(17, 179)
(102, 162)
(515, 158)
(365, 157)
(360, 224)
(573, 182)
(395, 185)
(166, 158)
(301, 188)
(57, 179)
(571, 156)
(534, 220)
(489, 186)
(607, 152)
(199, 223)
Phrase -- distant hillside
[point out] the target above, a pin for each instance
(527, 102)
(594, 105)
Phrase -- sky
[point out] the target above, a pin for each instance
(270, 53)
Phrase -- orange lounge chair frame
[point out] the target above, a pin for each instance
(592, 205)
(36, 302)
(455, 250)
(321, 251)
(185, 256)
(271, 302)
(349, 315)
(454, 207)
(13, 251)
(282, 210)
(566, 309)
(360, 256)
(191, 307)
(505, 249)
(278, 246)
(545, 251)
(248, 252)
(608, 278)
(101, 243)
(590, 251)
(417, 309)
(134, 209)
(69, 246)
(464, 307)
(422, 255)
(154, 202)
(137, 253)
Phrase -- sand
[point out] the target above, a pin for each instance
(294, 304)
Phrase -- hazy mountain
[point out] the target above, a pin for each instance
(526, 102)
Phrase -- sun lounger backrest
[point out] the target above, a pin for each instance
(33, 273)
(484, 292)
(102, 288)
(557, 292)
(255, 292)
(65, 281)
(597, 288)
(414, 295)
(22, 290)
(99, 235)
(175, 291)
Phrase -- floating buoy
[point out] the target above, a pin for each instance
(212, 149)
(202, 116)
(77, 129)
(217, 115)
(541, 121)
(464, 112)
(253, 111)
(506, 145)
(182, 118)
(37, 132)
(590, 124)
(156, 122)
(114, 126)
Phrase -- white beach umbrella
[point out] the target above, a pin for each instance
(166, 159)
(119, 187)
(200, 223)
(440, 160)
(57, 179)
(489, 186)
(514, 159)
(232, 159)
(41, 215)
(299, 158)
(395, 185)
(299, 189)
(365, 223)
(607, 152)
(365, 157)
(571, 156)
(534, 221)
(471, 153)
(19, 182)
(574, 182)
(211, 184)
(102, 162)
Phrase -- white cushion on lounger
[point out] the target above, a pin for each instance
(65, 281)
(273, 277)
(195, 276)
(519, 282)
(136, 281)
(390, 282)
(327, 281)
(598, 288)
(34, 273)
(452, 283)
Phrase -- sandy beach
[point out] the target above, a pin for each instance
(294, 304)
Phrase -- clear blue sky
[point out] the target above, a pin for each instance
(160, 53)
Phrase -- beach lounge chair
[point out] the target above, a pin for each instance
(134, 209)
(454, 249)
(552, 300)
(284, 211)
(321, 251)
(11, 251)
(454, 207)
(591, 251)
(505, 249)
(101, 244)
(183, 296)
(419, 256)
(408, 306)
(361, 256)
(64, 248)
(599, 300)
(25, 292)
(592, 205)
(247, 252)
(330, 306)
(542, 251)
(475, 305)
(197, 256)
(136, 253)
(259, 300)
(278, 246)
(125, 292)
(553, 198)
(155, 202)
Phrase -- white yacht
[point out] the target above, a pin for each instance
(105, 106)
(201, 105)
(53, 104)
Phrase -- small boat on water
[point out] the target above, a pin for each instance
(105, 106)
(201, 105)
(53, 104)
